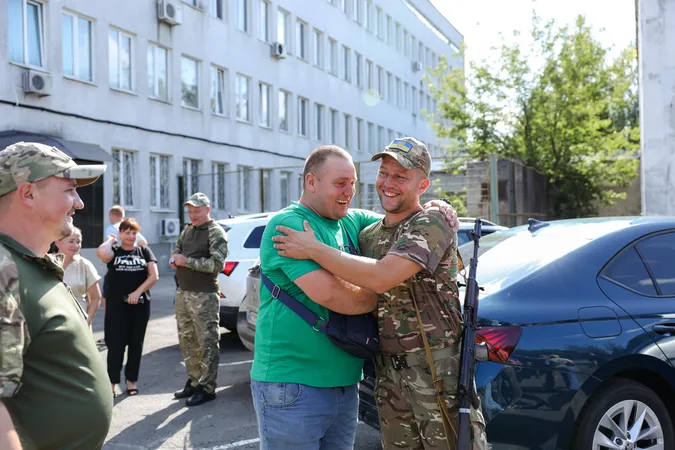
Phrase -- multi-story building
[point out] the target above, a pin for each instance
(229, 94)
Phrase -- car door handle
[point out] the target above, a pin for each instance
(664, 328)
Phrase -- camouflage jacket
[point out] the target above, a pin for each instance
(426, 239)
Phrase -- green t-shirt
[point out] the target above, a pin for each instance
(64, 401)
(287, 349)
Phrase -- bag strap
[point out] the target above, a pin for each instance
(438, 382)
(313, 320)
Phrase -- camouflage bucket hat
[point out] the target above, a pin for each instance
(198, 199)
(30, 161)
(409, 152)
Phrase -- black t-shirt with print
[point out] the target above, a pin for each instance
(127, 271)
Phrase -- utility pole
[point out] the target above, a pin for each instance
(494, 189)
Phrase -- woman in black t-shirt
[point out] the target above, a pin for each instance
(132, 271)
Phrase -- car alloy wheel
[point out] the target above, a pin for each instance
(628, 425)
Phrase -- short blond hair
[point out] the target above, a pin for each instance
(116, 210)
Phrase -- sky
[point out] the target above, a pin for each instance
(480, 21)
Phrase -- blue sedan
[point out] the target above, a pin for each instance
(579, 319)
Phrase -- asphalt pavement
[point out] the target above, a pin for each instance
(154, 420)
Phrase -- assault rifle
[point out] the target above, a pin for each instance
(466, 392)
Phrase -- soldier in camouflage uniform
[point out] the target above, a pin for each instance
(416, 253)
(54, 392)
(198, 258)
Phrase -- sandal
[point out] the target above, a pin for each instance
(132, 392)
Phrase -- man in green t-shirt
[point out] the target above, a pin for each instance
(304, 387)
(410, 259)
(54, 390)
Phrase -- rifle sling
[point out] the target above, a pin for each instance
(438, 382)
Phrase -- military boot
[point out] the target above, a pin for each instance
(187, 392)
(200, 396)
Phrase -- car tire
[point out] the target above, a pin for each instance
(607, 403)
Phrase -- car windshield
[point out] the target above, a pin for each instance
(507, 256)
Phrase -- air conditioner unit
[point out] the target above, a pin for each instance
(169, 227)
(35, 82)
(170, 12)
(416, 66)
(278, 50)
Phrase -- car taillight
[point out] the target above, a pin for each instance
(229, 267)
(500, 341)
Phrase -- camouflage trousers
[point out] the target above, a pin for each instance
(408, 409)
(197, 316)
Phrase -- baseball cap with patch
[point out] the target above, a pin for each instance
(409, 152)
(198, 199)
(30, 161)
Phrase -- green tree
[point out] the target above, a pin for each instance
(560, 107)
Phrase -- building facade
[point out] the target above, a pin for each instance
(229, 94)
(656, 39)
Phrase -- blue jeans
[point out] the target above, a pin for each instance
(294, 416)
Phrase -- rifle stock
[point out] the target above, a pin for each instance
(468, 362)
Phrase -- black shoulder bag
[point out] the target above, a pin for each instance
(356, 335)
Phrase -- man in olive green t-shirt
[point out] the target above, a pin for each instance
(54, 390)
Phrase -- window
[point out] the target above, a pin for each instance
(390, 135)
(380, 81)
(399, 38)
(285, 185)
(263, 21)
(407, 96)
(348, 131)
(119, 60)
(381, 138)
(302, 116)
(242, 15)
(359, 69)
(360, 142)
(355, 10)
(265, 105)
(267, 190)
(334, 126)
(318, 48)
(414, 101)
(284, 110)
(658, 253)
(629, 271)
(244, 182)
(190, 176)
(318, 122)
(158, 72)
(216, 8)
(123, 177)
(76, 43)
(253, 239)
(399, 93)
(366, 14)
(413, 48)
(343, 6)
(420, 53)
(283, 23)
(379, 24)
(369, 75)
(371, 138)
(243, 112)
(218, 97)
(406, 43)
(191, 2)
(346, 67)
(332, 56)
(26, 35)
(389, 33)
(390, 87)
(189, 75)
(159, 181)
(218, 197)
(301, 39)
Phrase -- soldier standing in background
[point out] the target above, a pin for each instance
(198, 258)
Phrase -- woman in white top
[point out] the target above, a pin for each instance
(80, 274)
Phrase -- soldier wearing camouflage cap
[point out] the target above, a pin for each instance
(416, 253)
(199, 256)
(47, 352)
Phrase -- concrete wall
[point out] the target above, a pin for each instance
(657, 90)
